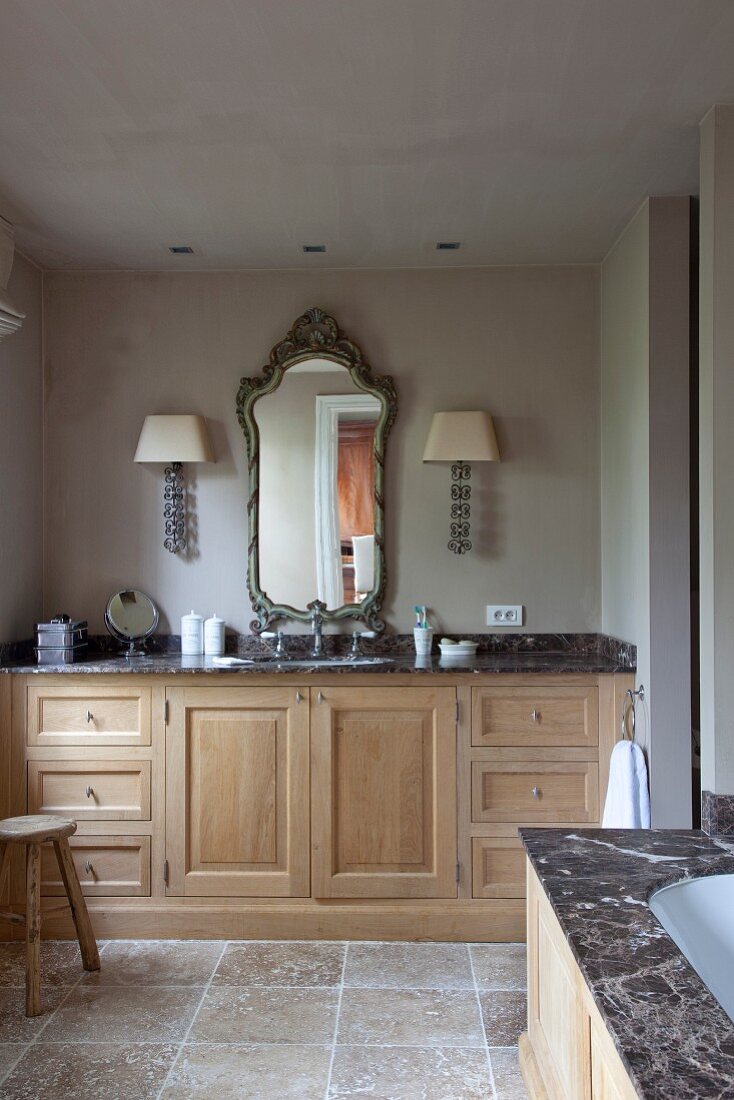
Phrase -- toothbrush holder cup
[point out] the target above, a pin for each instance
(423, 641)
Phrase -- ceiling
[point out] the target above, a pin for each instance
(529, 130)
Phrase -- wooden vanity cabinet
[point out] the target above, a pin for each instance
(305, 805)
(384, 792)
(237, 792)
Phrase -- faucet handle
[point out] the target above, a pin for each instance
(355, 650)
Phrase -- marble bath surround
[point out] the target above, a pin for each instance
(261, 1020)
(673, 1036)
(543, 653)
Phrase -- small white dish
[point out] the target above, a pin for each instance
(458, 650)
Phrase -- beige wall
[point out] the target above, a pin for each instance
(522, 343)
(645, 519)
(625, 436)
(716, 402)
(21, 458)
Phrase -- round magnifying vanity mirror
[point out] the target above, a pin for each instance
(131, 617)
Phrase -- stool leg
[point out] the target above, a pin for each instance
(4, 865)
(33, 931)
(84, 931)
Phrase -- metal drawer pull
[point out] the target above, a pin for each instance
(536, 792)
(320, 697)
(299, 697)
(535, 715)
(88, 868)
(89, 791)
(90, 716)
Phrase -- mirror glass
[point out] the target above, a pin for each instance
(131, 617)
(316, 523)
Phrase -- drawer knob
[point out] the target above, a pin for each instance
(90, 716)
(88, 868)
(535, 715)
(535, 792)
(320, 697)
(299, 697)
(89, 791)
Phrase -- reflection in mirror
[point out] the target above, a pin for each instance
(131, 617)
(316, 521)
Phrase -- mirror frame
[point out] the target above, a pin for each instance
(314, 335)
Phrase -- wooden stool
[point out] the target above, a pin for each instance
(33, 832)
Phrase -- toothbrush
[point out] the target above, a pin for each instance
(417, 610)
(424, 624)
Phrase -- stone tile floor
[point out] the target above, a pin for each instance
(266, 1021)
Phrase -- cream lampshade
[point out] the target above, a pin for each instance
(174, 440)
(461, 438)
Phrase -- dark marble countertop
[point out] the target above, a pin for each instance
(171, 664)
(673, 1036)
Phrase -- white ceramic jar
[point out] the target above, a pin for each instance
(214, 636)
(192, 635)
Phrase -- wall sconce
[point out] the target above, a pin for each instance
(471, 436)
(174, 440)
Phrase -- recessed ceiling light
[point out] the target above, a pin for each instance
(180, 249)
(314, 247)
(448, 246)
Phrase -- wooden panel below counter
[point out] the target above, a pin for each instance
(433, 864)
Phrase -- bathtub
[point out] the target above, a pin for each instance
(698, 914)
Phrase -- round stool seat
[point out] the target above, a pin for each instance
(35, 828)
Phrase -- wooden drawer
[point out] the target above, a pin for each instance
(118, 790)
(498, 867)
(71, 714)
(564, 791)
(118, 866)
(522, 717)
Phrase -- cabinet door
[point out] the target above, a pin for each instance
(384, 792)
(237, 815)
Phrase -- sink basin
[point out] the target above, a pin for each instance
(334, 662)
(325, 662)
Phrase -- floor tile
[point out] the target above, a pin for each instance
(239, 1014)
(410, 1073)
(121, 1015)
(409, 965)
(507, 1076)
(9, 1054)
(15, 1026)
(410, 1017)
(505, 1016)
(500, 965)
(157, 962)
(286, 964)
(61, 963)
(230, 1072)
(94, 1071)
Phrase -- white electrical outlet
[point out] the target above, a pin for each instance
(504, 614)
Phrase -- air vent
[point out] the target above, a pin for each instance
(448, 246)
(181, 249)
(314, 247)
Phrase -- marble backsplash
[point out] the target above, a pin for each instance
(243, 645)
(717, 813)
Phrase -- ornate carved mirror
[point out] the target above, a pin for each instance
(316, 464)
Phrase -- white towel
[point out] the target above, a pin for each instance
(628, 801)
(364, 563)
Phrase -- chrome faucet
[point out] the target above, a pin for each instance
(280, 647)
(317, 649)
